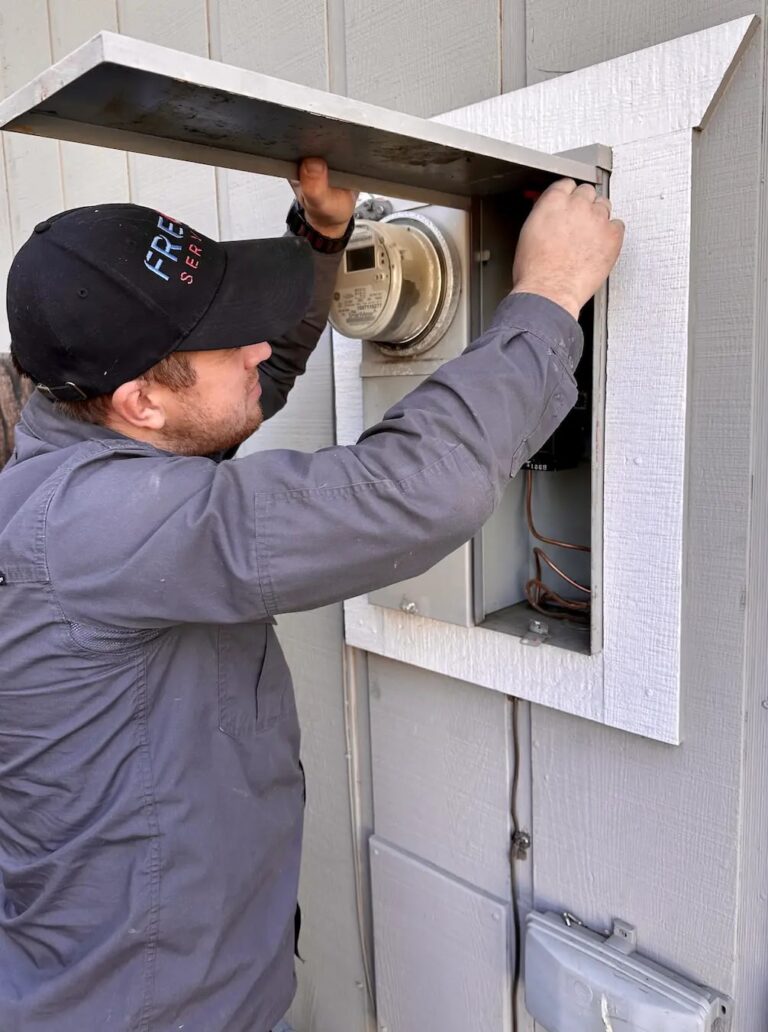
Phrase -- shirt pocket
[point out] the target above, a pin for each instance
(254, 681)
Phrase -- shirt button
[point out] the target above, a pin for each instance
(2, 578)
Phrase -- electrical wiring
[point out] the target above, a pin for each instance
(359, 846)
(517, 971)
(539, 595)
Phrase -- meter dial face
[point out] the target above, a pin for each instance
(364, 284)
(397, 286)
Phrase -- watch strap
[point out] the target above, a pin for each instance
(297, 223)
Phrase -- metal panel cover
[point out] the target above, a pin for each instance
(576, 981)
(119, 92)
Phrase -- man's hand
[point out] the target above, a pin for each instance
(568, 245)
(328, 209)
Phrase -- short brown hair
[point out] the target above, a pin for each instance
(175, 372)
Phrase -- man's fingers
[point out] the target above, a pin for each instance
(604, 204)
(313, 176)
(560, 186)
(585, 191)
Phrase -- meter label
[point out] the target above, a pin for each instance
(361, 305)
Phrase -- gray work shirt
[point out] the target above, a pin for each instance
(150, 785)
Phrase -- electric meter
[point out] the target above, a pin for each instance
(398, 285)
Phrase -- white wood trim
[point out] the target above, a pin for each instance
(646, 105)
(661, 89)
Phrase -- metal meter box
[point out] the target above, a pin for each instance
(390, 370)
(578, 981)
(426, 279)
(444, 299)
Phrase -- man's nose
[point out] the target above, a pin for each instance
(256, 353)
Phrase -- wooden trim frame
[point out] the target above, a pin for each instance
(646, 106)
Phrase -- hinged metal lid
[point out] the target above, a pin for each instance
(119, 92)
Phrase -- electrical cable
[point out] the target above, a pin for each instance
(539, 595)
(350, 689)
(517, 970)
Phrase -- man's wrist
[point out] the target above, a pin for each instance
(553, 293)
(327, 241)
(333, 232)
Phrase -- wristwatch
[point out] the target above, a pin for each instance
(297, 223)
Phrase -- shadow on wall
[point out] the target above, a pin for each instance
(13, 393)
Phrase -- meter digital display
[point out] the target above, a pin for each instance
(360, 258)
(398, 285)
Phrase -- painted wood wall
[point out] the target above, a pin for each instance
(671, 839)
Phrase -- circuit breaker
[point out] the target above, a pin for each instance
(416, 286)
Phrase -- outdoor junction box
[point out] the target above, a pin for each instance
(416, 286)
(579, 981)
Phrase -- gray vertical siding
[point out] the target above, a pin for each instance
(624, 827)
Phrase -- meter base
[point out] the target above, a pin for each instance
(519, 618)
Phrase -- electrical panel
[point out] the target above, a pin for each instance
(579, 981)
(417, 285)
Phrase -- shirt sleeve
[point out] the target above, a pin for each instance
(151, 541)
(291, 352)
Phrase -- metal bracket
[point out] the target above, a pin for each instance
(597, 154)
(623, 937)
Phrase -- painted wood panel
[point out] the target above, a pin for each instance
(291, 45)
(441, 771)
(750, 979)
(442, 949)
(179, 24)
(422, 57)
(289, 42)
(182, 189)
(563, 35)
(90, 175)
(32, 171)
(662, 89)
(623, 827)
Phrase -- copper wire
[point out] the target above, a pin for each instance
(541, 597)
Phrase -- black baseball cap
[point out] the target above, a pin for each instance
(98, 295)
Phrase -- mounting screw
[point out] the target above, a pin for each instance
(537, 633)
(520, 843)
(409, 607)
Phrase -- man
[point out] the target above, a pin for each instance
(150, 785)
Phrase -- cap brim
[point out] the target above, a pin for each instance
(266, 290)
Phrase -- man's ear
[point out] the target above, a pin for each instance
(140, 404)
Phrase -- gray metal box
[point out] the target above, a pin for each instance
(579, 981)
(445, 591)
